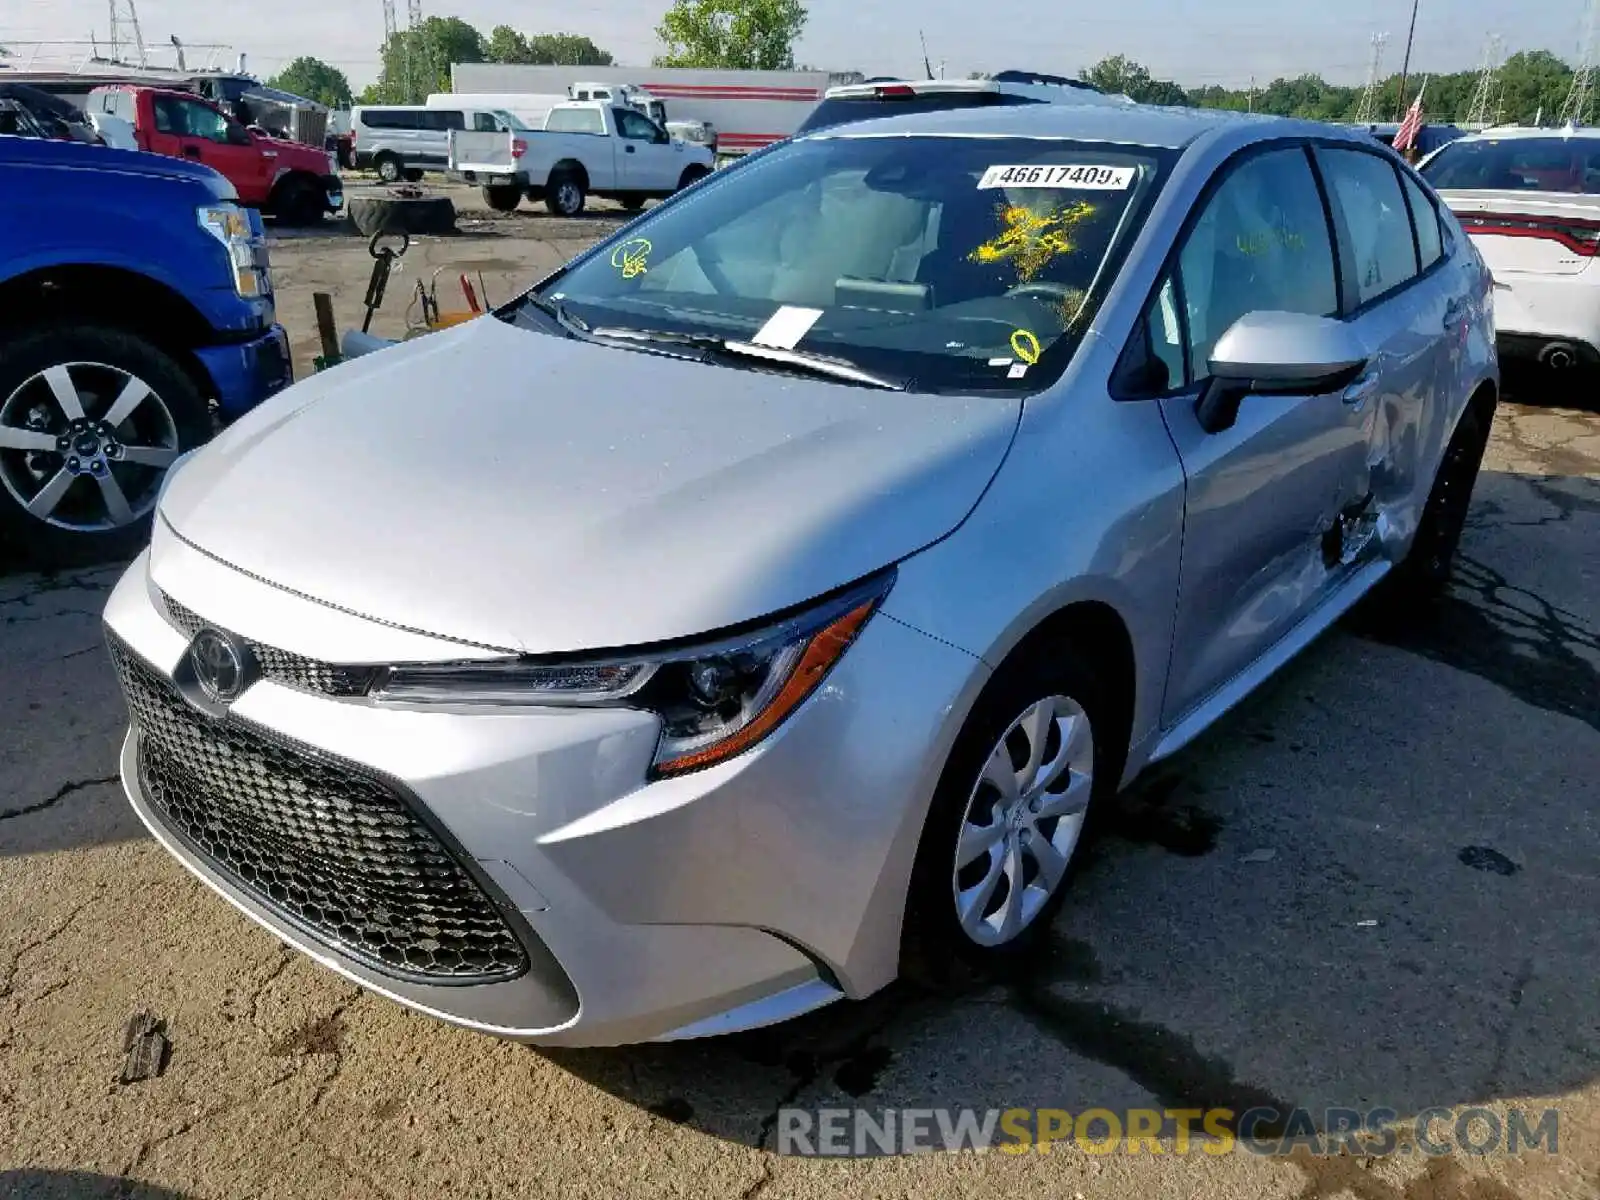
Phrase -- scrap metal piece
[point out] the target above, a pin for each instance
(145, 1048)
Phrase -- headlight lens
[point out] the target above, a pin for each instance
(230, 225)
(715, 700)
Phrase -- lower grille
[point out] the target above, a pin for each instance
(325, 844)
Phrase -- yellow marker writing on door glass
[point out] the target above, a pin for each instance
(1025, 346)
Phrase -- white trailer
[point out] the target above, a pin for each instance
(749, 109)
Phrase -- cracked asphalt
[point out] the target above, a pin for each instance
(1373, 884)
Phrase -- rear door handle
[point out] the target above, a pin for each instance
(1358, 392)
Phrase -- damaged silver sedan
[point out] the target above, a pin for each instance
(762, 606)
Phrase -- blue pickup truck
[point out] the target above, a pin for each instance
(136, 314)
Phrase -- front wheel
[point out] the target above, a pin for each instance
(691, 176)
(1007, 817)
(300, 202)
(564, 196)
(90, 420)
(390, 168)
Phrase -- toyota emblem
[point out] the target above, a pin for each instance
(218, 665)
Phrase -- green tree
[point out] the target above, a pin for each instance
(1119, 75)
(750, 35)
(417, 61)
(567, 50)
(315, 80)
(506, 45)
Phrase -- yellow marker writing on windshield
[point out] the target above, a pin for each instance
(1025, 346)
(632, 257)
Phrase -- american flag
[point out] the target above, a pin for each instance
(1406, 136)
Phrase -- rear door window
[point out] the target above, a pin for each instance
(1430, 242)
(1374, 224)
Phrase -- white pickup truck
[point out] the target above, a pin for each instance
(586, 148)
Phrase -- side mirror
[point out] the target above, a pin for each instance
(238, 135)
(1277, 354)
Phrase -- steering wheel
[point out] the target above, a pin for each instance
(711, 268)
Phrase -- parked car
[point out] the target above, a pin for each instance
(298, 184)
(1429, 138)
(135, 295)
(892, 97)
(587, 147)
(55, 116)
(400, 141)
(932, 478)
(17, 121)
(1530, 200)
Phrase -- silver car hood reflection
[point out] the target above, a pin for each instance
(538, 494)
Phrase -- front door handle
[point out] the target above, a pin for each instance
(1358, 392)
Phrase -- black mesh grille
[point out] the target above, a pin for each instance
(328, 846)
(282, 666)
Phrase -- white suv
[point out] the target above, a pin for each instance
(1530, 200)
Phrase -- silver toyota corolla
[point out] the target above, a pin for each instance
(759, 608)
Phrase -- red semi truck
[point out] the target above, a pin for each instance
(296, 183)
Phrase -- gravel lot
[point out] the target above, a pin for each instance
(1375, 884)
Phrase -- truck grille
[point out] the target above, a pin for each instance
(326, 845)
(282, 666)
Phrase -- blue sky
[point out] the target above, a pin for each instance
(1223, 41)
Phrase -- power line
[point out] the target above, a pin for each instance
(1369, 98)
(1485, 97)
(1576, 108)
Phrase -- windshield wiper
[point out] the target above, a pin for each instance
(818, 364)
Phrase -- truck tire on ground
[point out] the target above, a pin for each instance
(502, 197)
(389, 167)
(90, 419)
(564, 194)
(392, 214)
(299, 202)
(692, 175)
(414, 175)
(632, 203)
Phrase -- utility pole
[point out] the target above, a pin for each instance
(1365, 113)
(131, 21)
(1252, 101)
(1405, 67)
(391, 27)
(1576, 108)
(1485, 96)
(414, 31)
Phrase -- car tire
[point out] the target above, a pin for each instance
(564, 195)
(83, 523)
(389, 167)
(1420, 578)
(691, 176)
(1028, 835)
(502, 197)
(414, 175)
(300, 202)
(631, 203)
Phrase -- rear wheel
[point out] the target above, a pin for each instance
(564, 195)
(1007, 817)
(1421, 577)
(502, 197)
(389, 166)
(90, 420)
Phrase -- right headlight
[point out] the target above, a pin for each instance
(230, 225)
(715, 699)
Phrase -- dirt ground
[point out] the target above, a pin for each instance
(1375, 884)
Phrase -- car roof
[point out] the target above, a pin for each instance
(1498, 133)
(1133, 124)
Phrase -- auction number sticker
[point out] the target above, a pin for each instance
(1066, 175)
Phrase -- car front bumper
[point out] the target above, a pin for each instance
(729, 898)
(243, 374)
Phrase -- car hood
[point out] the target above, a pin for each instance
(538, 494)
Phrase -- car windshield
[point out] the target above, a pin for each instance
(1542, 164)
(946, 263)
